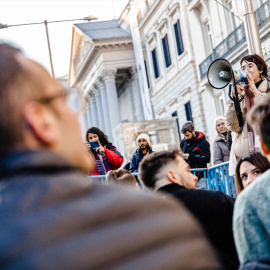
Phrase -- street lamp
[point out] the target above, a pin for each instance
(251, 28)
(89, 18)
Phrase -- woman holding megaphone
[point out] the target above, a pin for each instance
(243, 137)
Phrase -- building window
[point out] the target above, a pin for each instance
(155, 62)
(146, 71)
(166, 51)
(188, 111)
(174, 114)
(230, 16)
(178, 38)
(208, 37)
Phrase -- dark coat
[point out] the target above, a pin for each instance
(214, 211)
(199, 152)
(53, 217)
(135, 160)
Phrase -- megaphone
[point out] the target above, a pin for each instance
(220, 74)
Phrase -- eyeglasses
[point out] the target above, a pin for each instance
(71, 95)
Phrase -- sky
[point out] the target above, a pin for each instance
(32, 38)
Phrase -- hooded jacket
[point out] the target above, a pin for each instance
(198, 149)
(221, 150)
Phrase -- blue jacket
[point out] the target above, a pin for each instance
(135, 160)
(251, 222)
(257, 264)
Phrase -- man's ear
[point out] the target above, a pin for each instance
(171, 176)
(41, 123)
(264, 148)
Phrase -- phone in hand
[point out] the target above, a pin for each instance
(94, 145)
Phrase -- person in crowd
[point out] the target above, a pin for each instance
(258, 84)
(249, 168)
(251, 220)
(51, 215)
(106, 155)
(122, 177)
(195, 150)
(220, 147)
(167, 172)
(144, 149)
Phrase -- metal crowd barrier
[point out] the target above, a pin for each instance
(216, 178)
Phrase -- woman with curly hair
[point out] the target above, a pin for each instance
(106, 155)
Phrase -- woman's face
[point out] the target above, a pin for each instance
(221, 126)
(248, 173)
(92, 137)
(252, 69)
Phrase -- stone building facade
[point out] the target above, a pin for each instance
(151, 64)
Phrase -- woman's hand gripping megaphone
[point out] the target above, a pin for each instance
(241, 90)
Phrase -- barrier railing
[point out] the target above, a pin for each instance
(216, 178)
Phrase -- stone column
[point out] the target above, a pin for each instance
(93, 107)
(99, 109)
(136, 95)
(105, 108)
(89, 116)
(112, 98)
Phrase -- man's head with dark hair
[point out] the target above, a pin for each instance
(257, 60)
(259, 118)
(188, 130)
(34, 114)
(165, 167)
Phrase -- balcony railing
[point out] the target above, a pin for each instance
(235, 39)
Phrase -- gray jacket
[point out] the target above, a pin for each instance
(53, 217)
(221, 150)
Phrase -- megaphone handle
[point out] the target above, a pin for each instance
(230, 91)
(238, 108)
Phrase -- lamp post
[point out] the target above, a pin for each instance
(89, 18)
(251, 28)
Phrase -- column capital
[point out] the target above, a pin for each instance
(109, 74)
(99, 81)
(92, 97)
(134, 73)
(96, 90)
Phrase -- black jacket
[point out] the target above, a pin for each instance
(198, 149)
(214, 211)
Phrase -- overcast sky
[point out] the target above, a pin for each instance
(32, 38)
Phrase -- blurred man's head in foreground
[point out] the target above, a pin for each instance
(34, 112)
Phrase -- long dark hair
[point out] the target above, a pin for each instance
(103, 139)
(257, 159)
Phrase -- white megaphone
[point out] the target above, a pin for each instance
(220, 74)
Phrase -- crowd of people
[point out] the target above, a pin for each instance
(53, 217)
